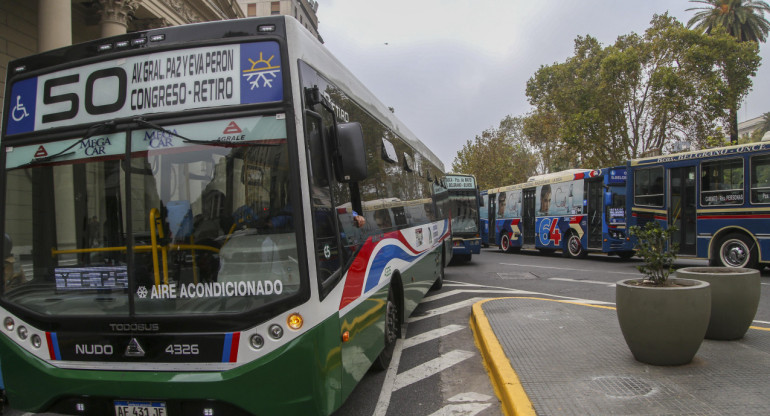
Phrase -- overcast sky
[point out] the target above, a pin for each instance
(453, 68)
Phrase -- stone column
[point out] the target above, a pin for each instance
(115, 15)
(54, 24)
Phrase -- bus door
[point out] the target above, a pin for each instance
(492, 218)
(595, 212)
(528, 216)
(681, 207)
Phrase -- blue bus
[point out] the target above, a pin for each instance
(575, 211)
(464, 205)
(718, 199)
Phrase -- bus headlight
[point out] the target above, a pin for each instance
(9, 324)
(275, 330)
(617, 234)
(36, 341)
(22, 332)
(257, 342)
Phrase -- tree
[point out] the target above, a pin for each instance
(605, 105)
(742, 19)
(497, 157)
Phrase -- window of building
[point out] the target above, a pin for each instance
(275, 7)
(251, 9)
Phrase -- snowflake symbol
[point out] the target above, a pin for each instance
(142, 292)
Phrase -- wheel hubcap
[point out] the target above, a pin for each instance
(734, 254)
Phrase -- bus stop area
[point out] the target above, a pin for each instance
(558, 357)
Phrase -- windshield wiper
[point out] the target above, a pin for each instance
(91, 131)
(142, 122)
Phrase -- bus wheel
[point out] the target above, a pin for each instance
(439, 283)
(625, 255)
(505, 243)
(573, 247)
(737, 250)
(392, 332)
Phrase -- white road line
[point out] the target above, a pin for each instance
(390, 377)
(460, 292)
(594, 282)
(445, 309)
(464, 409)
(570, 269)
(431, 335)
(430, 368)
(535, 294)
(762, 322)
(470, 397)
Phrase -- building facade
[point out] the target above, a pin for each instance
(303, 10)
(32, 26)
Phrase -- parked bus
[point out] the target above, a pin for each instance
(484, 208)
(464, 205)
(718, 199)
(182, 231)
(575, 211)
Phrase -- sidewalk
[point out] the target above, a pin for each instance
(550, 357)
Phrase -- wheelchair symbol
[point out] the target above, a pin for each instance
(19, 112)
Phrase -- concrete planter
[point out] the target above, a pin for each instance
(734, 298)
(663, 325)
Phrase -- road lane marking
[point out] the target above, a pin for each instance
(569, 269)
(594, 282)
(460, 292)
(430, 368)
(444, 309)
(464, 409)
(431, 335)
(390, 377)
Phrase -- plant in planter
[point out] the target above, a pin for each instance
(663, 320)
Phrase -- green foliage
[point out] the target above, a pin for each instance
(652, 245)
(605, 105)
(743, 19)
(498, 157)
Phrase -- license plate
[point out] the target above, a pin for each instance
(139, 408)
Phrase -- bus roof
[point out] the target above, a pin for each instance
(697, 154)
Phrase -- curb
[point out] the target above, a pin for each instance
(506, 383)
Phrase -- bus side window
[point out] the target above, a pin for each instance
(324, 229)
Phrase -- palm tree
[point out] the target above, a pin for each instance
(743, 19)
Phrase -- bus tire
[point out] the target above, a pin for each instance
(505, 244)
(439, 283)
(625, 255)
(573, 248)
(737, 250)
(392, 332)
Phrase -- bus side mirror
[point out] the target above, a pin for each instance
(351, 154)
(478, 196)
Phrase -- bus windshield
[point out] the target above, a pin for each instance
(465, 211)
(616, 210)
(189, 218)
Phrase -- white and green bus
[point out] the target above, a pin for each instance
(180, 211)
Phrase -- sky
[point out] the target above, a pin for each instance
(454, 68)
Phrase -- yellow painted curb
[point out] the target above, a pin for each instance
(515, 401)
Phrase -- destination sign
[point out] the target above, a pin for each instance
(152, 83)
(460, 182)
